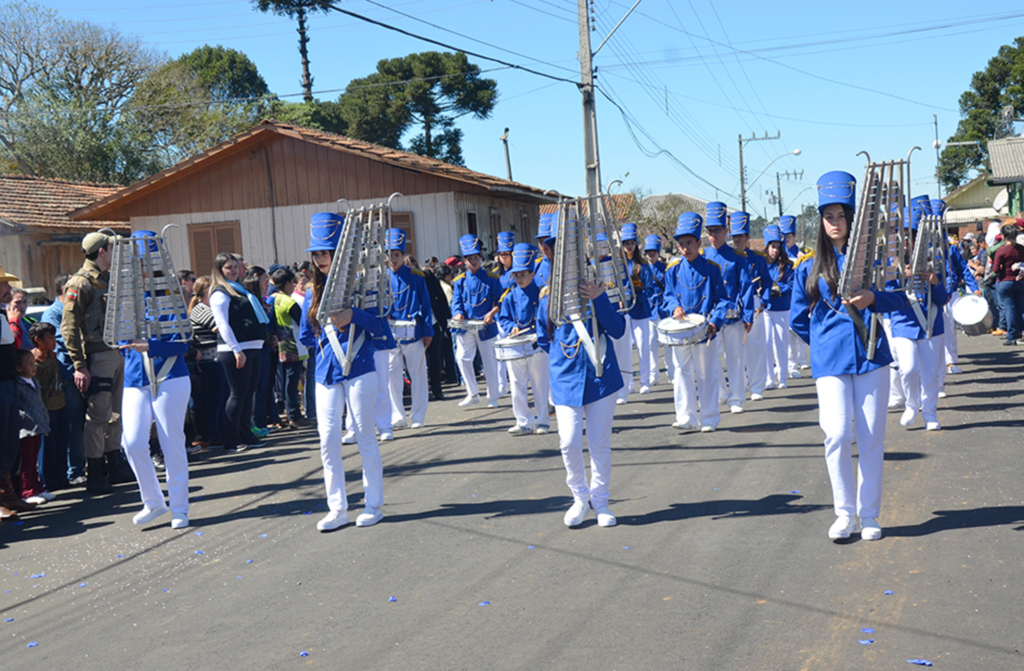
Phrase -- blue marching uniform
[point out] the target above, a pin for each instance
(780, 293)
(474, 295)
(411, 303)
(638, 323)
(758, 282)
(655, 296)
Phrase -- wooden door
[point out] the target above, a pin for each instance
(403, 221)
(206, 241)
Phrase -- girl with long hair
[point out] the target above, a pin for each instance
(638, 321)
(780, 267)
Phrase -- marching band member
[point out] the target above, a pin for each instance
(957, 271)
(741, 305)
(476, 294)
(383, 348)
(919, 207)
(546, 242)
(518, 315)
(756, 340)
(335, 389)
(165, 400)
(652, 250)
(799, 357)
(411, 303)
(852, 389)
(506, 241)
(787, 225)
(693, 285)
(638, 320)
(780, 268)
(582, 397)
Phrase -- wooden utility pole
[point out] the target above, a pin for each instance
(590, 150)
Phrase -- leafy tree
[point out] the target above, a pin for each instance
(325, 116)
(298, 10)
(430, 89)
(1000, 84)
(227, 74)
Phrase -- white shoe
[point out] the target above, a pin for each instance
(869, 529)
(736, 409)
(469, 400)
(953, 369)
(400, 424)
(179, 521)
(908, 417)
(684, 427)
(942, 394)
(333, 520)
(769, 386)
(932, 426)
(620, 401)
(37, 499)
(520, 430)
(783, 385)
(492, 403)
(804, 366)
(386, 436)
(349, 438)
(542, 429)
(842, 527)
(417, 425)
(795, 375)
(605, 517)
(756, 397)
(707, 429)
(644, 389)
(369, 517)
(577, 513)
(147, 515)
(896, 407)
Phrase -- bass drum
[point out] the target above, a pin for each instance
(971, 313)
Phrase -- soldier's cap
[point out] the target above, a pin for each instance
(95, 241)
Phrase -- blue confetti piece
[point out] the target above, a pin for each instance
(82, 585)
(199, 533)
(7, 591)
(920, 662)
(238, 578)
(18, 524)
(484, 603)
(35, 644)
(531, 547)
(200, 552)
(166, 590)
(36, 585)
(625, 547)
(263, 535)
(474, 496)
(10, 619)
(393, 599)
(303, 654)
(308, 512)
(888, 592)
(794, 491)
(868, 630)
(120, 556)
(865, 641)
(38, 575)
(248, 561)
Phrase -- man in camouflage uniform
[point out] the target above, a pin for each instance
(99, 370)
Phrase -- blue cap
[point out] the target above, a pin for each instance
(787, 225)
(837, 188)
(938, 207)
(149, 246)
(470, 244)
(544, 230)
(396, 239)
(325, 231)
(506, 241)
(629, 232)
(689, 224)
(716, 214)
(772, 233)
(919, 206)
(652, 243)
(523, 257)
(553, 232)
(739, 223)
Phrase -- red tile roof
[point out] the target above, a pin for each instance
(624, 204)
(37, 201)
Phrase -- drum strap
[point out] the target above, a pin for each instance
(156, 378)
(594, 351)
(925, 322)
(354, 343)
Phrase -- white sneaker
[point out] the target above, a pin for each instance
(804, 366)
(756, 397)
(953, 370)
(417, 425)
(386, 436)
(684, 427)
(620, 401)
(542, 429)
(37, 499)
(333, 520)
(605, 517)
(707, 429)
(770, 386)
(520, 430)
(908, 417)
(147, 515)
(942, 394)
(842, 527)
(369, 517)
(783, 385)
(644, 389)
(401, 424)
(736, 409)
(469, 400)
(795, 375)
(932, 426)
(349, 438)
(492, 403)
(577, 513)
(179, 521)
(869, 529)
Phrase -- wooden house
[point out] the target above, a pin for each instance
(255, 194)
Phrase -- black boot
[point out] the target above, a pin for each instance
(96, 477)
(119, 471)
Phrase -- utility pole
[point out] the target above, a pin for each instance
(937, 144)
(778, 184)
(778, 190)
(589, 111)
(743, 177)
(508, 161)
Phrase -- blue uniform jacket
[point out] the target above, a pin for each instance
(386, 340)
(738, 289)
(328, 368)
(836, 348)
(159, 351)
(643, 288)
(658, 291)
(783, 277)
(760, 278)
(519, 308)
(697, 288)
(904, 324)
(956, 270)
(542, 274)
(573, 379)
(412, 301)
(473, 296)
(793, 253)
(507, 281)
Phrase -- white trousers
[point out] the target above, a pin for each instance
(641, 332)
(412, 356)
(896, 394)
(138, 410)
(755, 353)
(598, 417)
(920, 364)
(799, 353)
(466, 346)
(695, 375)
(778, 346)
(949, 333)
(360, 394)
(852, 406)
(382, 411)
(653, 346)
(532, 370)
(730, 343)
(624, 355)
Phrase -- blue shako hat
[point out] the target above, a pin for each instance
(652, 243)
(787, 225)
(506, 241)
(544, 229)
(629, 232)
(396, 239)
(773, 233)
(919, 206)
(145, 247)
(739, 223)
(325, 231)
(716, 214)
(837, 188)
(523, 257)
(689, 224)
(938, 207)
(470, 244)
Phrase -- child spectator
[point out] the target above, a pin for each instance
(291, 353)
(48, 376)
(35, 423)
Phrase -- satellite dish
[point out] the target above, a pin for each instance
(1001, 199)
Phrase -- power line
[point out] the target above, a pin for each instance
(536, 9)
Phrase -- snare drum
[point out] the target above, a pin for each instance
(689, 330)
(403, 330)
(972, 314)
(516, 347)
(467, 324)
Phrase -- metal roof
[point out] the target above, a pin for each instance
(970, 215)
(1006, 159)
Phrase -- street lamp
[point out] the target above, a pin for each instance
(743, 187)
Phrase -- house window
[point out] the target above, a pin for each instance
(471, 222)
(403, 221)
(206, 241)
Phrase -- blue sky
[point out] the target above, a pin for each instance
(832, 78)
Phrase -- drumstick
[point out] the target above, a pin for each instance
(745, 337)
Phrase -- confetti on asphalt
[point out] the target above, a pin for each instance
(120, 556)
(263, 535)
(7, 591)
(38, 575)
(35, 644)
(393, 599)
(199, 533)
(238, 577)
(166, 590)
(200, 552)
(18, 524)
(309, 512)
(248, 561)
(484, 603)
(868, 630)
(625, 547)
(531, 547)
(303, 654)
(794, 491)
(920, 662)
(10, 619)
(888, 592)
(865, 641)
(474, 496)
(82, 585)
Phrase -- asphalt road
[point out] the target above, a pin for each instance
(720, 559)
